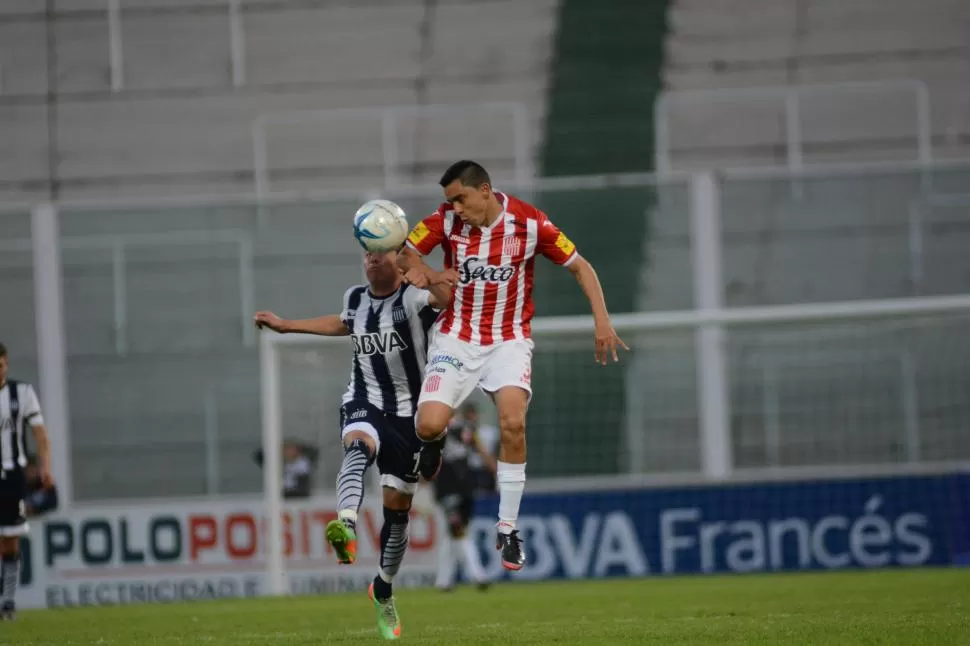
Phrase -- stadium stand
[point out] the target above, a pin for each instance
(743, 44)
(178, 125)
(588, 76)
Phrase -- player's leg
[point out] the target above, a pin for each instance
(449, 555)
(398, 463)
(361, 442)
(467, 552)
(507, 376)
(450, 377)
(431, 426)
(13, 525)
(394, 544)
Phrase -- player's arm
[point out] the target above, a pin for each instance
(441, 293)
(426, 235)
(330, 325)
(487, 458)
(554, 245)
(606, 338)
(32, 416)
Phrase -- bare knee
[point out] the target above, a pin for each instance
(432, 420)
(512, 426)
(368, 440)
(9, 545)
(396, 500)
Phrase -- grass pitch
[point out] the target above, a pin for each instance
(929, 607)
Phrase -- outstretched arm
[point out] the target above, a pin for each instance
(443, 290)
(416, 270)
(330, 325)
(606, 337)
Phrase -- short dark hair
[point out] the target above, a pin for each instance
(3, 351)
(467, 172)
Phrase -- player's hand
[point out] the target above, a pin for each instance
(607, 343)
(448, 276)
(269, 320)
(46, 478)
(418, 277)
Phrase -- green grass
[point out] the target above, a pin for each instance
(846, 609)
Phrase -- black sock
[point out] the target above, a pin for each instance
(394, 543)
(9, 577)
(350, 479)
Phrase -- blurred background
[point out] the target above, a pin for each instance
(170, 166)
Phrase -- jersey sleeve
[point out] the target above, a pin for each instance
(30, 407)
(428, 233)
(415, 300)
(553, 243)
(348, 310)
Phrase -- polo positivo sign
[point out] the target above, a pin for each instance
(172, 552)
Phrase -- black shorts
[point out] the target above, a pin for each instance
(13, 494)
(458, 508)
(399, 446)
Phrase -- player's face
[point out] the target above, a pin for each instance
(381, 267)
(3, 369)
(470, 203)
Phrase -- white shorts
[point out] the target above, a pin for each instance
(456, 368)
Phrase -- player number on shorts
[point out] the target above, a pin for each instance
(23, 509)
(417, 459)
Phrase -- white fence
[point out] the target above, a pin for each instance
(700, 214)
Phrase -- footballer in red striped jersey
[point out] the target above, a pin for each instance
(483, 339)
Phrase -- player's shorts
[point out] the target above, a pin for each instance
(398, 445)
(13, 510)
(458, 509)
(455, 368)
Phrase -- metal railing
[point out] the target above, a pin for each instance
(789, 98)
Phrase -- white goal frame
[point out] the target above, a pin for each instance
(712, 392)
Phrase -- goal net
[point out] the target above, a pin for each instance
(842, 426)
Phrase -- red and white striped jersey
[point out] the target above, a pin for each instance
(495, 264)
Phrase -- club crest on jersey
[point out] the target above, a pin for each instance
(399, 315)
(511, 246)
(478, 269)
(378, 343)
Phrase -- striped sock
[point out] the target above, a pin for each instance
(394, 543)
(350, 480)
(9, 576)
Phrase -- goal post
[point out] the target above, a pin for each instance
(303, 376)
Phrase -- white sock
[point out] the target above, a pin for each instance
(473, 567)
(511, 484)
(446, 564)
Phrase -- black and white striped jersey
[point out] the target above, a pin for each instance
(390, 337)
(18, 409)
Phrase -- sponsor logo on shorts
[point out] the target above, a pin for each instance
(443, 360)
(432, 384)
(358, 414)
(526, 377)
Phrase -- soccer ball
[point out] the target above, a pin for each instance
(380, 225)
